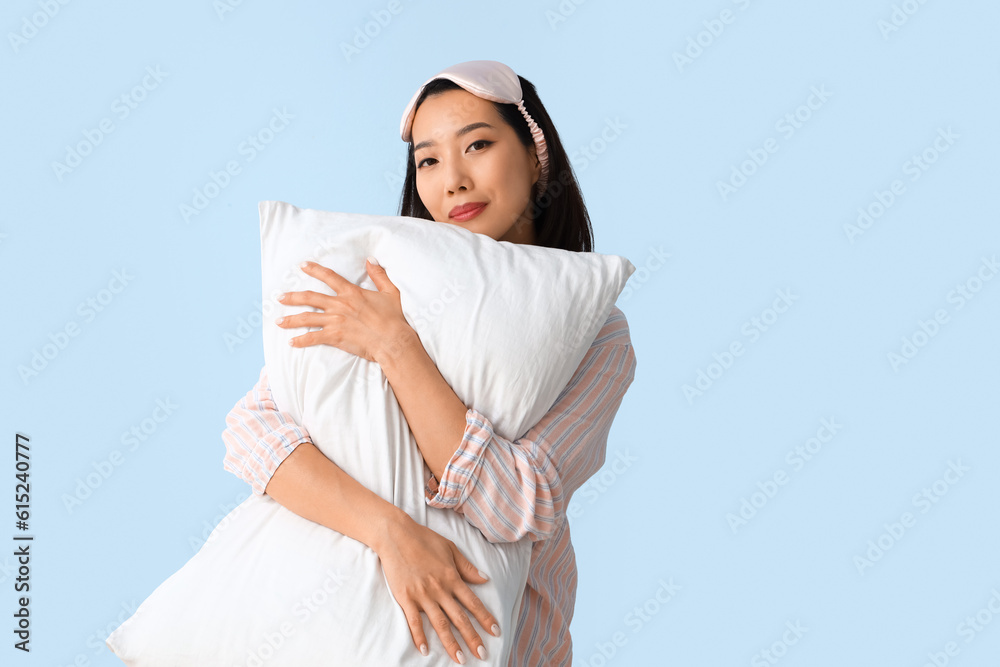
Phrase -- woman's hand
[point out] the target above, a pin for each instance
(361, 321)
(426, 572)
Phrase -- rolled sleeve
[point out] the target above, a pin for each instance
(259, 436)
(462, 471)
(516, 489)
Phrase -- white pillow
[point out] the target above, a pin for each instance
(506, 324)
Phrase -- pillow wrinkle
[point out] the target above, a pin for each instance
(484, 314)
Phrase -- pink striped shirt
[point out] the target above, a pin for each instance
(507, 489)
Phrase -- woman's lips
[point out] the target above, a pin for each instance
(466, 212)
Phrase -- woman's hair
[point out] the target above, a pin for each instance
(559, 216)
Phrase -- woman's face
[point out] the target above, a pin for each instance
(466, 154)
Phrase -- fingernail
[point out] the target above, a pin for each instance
(482, 652)
(279, 320)
(373, 261)
(483, 574)
(304, 265)
(496, 630)
(423, 649)
(461, 657)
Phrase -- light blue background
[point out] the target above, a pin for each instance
(660, 513)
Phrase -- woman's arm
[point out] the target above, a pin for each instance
(512, 489)
(419, 564)
(433, 411)
(543, 471)
(259, 436)
(266, 448)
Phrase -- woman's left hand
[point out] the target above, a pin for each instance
(357, 320)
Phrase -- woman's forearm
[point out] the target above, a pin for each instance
(433, 411)
(314, 487)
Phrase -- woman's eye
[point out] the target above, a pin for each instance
(484, 142)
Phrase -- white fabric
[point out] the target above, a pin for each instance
(506, 324)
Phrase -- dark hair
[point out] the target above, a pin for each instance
(559, 216)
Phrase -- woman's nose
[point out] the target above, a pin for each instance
(458, 178)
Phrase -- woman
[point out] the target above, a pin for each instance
(480, 157)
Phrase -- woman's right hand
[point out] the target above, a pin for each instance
(426, 572)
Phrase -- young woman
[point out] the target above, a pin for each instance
(481, 157)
